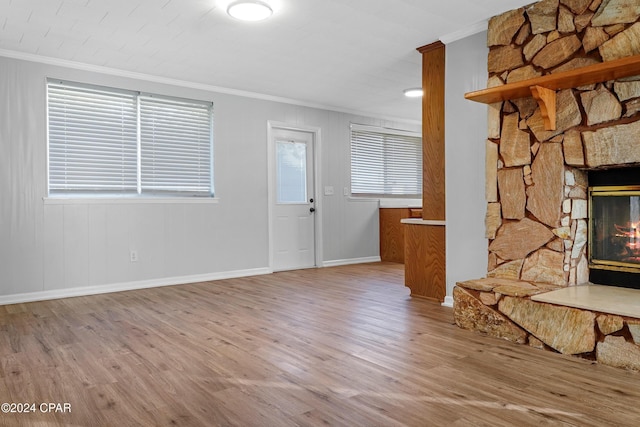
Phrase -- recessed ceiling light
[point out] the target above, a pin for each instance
(249, 10)
(414, 92)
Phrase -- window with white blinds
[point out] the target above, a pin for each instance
(175, 146)
(92, 139)
(385, 162)
(109, 141)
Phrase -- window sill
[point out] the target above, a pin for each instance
(388, 202)
(363, 199)
(400, 203)
(111, 200)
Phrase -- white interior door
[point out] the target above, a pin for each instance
(293, 202)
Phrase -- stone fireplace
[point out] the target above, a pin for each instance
(538, 180)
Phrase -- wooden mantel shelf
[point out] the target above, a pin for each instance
(544, 88)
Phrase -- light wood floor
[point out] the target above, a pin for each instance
(333, 346)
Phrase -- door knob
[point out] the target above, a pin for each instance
(312, 210)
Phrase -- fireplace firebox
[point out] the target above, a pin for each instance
(614, 227)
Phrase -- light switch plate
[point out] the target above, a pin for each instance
(328, 190)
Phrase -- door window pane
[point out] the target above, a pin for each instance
(291, 166)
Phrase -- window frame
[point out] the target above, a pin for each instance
(139, 193)
(396, 134)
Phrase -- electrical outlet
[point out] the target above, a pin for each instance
(133, 256)
(328, 190)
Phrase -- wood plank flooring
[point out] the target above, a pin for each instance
(343, 346)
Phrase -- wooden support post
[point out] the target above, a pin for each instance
(425, 239)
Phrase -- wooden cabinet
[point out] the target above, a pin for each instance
(424, 267)
(392, 232)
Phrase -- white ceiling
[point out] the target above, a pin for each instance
(348, 55)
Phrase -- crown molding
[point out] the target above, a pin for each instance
(191, 85)
(476, 28)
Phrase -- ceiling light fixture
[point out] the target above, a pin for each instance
(414, 92)
(249, 10)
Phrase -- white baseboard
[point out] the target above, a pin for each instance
(128, 286)
(349, 261)
(448, 301)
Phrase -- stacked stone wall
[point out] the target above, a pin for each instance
(536, 179)
(536, 219)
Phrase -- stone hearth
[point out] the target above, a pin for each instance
(508, 309)
(536, 179)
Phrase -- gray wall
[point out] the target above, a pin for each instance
(465, 135)
(53, 249)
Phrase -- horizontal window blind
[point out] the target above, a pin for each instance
(175, 145)
(385, 162)
(104, 140)
(92, 139)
